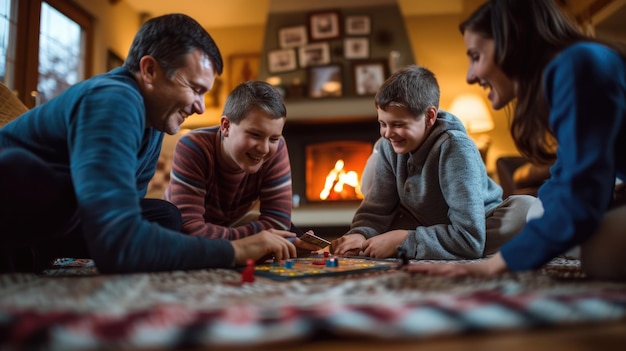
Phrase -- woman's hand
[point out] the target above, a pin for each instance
(270, 242)
(490, 267)
(384, 245)
(347, 245)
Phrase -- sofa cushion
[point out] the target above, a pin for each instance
(530, 175)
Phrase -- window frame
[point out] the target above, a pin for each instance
(26, 75)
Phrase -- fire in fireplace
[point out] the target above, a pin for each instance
(328, 157)
(333, 170)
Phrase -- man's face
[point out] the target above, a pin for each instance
(170, 100)
(251, 142)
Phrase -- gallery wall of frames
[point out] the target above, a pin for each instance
(333, 53)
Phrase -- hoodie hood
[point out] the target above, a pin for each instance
(445, 124)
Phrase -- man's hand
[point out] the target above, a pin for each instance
(347, 245)
(384, 245)
(271, 242)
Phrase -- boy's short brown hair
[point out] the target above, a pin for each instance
(254, 95)
(413, 87)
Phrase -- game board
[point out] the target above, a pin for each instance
(315, 266)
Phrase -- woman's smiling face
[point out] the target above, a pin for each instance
(483, 70)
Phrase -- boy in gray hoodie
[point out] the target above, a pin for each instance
(431, 194)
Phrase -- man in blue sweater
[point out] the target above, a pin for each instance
(74, 171)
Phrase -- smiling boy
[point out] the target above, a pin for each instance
(430, 194)
(234, 180)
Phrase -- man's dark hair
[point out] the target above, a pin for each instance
(168, 39)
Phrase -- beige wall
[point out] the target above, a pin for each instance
(436, 41)
(231, 41)
(115, 27)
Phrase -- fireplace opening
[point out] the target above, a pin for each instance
(334, 170)
(328, 156)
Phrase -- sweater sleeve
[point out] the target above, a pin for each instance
(276, 193)
(585, 89)
(105, 134)
(375, 214)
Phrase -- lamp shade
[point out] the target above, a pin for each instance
(472, 110)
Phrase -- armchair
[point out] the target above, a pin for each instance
(519, 176)
(10, 105)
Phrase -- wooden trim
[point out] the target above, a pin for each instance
(594, 7)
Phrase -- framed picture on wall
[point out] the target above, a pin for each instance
(324, 25)
(325, 81)
(242, 68)
(314, 54)
(356, 48)
(358, 25)
(281, 60)
(369, 76)
(290, 37)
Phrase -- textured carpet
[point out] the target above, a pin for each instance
(77, 308)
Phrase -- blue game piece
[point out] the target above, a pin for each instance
(289, 264)
(332, 262)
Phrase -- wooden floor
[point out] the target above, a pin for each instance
(605, 337)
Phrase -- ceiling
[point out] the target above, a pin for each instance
(230, 13)
(612, 17)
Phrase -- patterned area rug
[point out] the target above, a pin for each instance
(74, 307)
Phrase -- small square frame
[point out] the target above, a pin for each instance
(356, 48)
(282, 60)
(358, 25)
(241, 68)
(324, 25)
(315, 54)
(325, 81)
(291, 37)
(369, 76)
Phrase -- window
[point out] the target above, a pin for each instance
(60, 53)
(44, 47)
(8, 28)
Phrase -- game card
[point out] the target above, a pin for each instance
(309, 237)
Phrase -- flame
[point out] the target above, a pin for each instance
(337, 178)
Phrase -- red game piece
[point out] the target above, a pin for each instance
(326, 254)
(247, 275)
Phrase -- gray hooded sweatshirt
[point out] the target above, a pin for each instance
(440, 193)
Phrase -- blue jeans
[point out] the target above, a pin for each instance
(38, 213)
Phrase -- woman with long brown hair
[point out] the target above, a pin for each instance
(568, 93)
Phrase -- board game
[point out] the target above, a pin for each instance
(321, 266)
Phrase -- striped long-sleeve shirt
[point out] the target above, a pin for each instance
(212, 196)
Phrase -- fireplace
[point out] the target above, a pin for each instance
(327, 158)
(333, 170)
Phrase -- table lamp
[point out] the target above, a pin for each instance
(472, 110)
